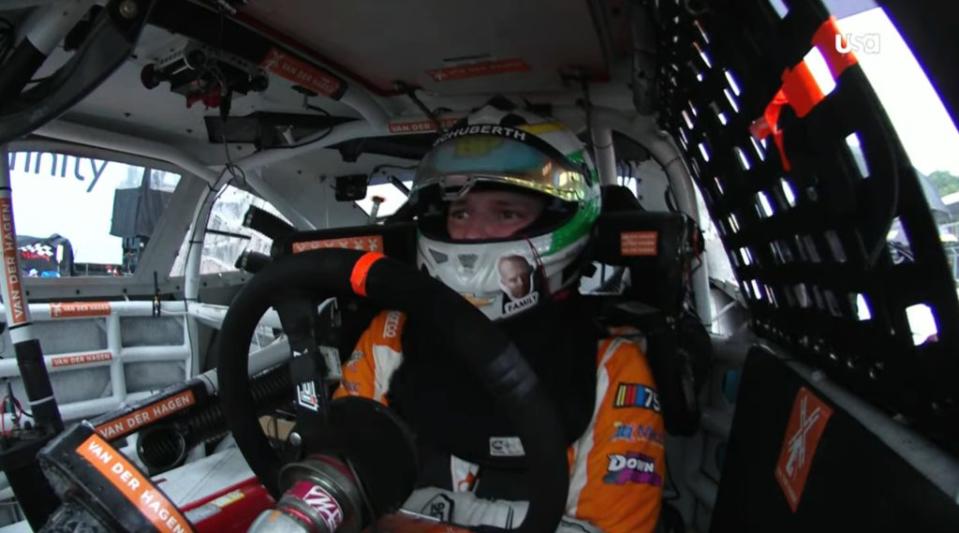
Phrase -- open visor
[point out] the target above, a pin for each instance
(457, 164)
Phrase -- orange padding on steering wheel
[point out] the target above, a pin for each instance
(361, 269)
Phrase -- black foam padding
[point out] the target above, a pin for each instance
(267, 223)
(818, 246)
(111, 40)
(18, 460)
(664, 264)
(36, 381)
(266, 129)
(252, 262)
(619, 198)
(399, 239)
(855, 482)
(20, 67)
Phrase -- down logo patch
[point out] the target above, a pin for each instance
(632, 468)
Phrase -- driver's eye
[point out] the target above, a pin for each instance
(458, 214)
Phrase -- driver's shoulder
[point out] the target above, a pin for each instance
(386, 327)
(622, 357)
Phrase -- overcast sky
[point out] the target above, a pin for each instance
(923, 125)
(46, 203)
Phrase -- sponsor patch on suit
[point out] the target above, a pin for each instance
(632, 467)
(624, 432)
(636, 395)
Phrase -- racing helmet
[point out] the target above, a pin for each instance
(516, 150)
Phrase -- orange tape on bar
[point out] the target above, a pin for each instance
(361, 269)
(768, 125)
(800, 89)
(825, 40)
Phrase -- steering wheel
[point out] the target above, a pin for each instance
(390, 284)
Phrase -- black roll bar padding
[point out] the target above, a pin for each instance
(252, 262)
(17, 71)
(267, 223)
(33, 491)
(18, 454)
(36, 382)
(109, 44)
(469, 334)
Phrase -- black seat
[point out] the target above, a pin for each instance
(804, 456)
(657, 249)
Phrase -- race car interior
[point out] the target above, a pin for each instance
(203, 205)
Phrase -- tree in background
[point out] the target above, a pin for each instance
(945, 182)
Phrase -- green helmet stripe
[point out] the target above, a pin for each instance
(577, 227)
(579, 157)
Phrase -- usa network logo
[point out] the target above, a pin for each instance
(861, 43)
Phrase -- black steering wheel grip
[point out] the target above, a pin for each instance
(466, 332)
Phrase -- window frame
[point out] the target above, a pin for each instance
(159, 254)
(237, 234)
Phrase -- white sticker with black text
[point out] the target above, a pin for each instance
(506, 447)
(306, 396)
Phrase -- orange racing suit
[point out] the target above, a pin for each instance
(617, 467)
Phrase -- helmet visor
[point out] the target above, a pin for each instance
(457, 164)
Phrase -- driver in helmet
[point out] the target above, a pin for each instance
(505, 206)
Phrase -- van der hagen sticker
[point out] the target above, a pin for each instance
(302, 73)
(133, 485)
(806, 425)
(80, 359)
(369, 243)
(79, 309)
(421, 125)
(131, 422)
(479, 69)
(14, 296)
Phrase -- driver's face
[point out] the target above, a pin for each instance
(492, 214)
